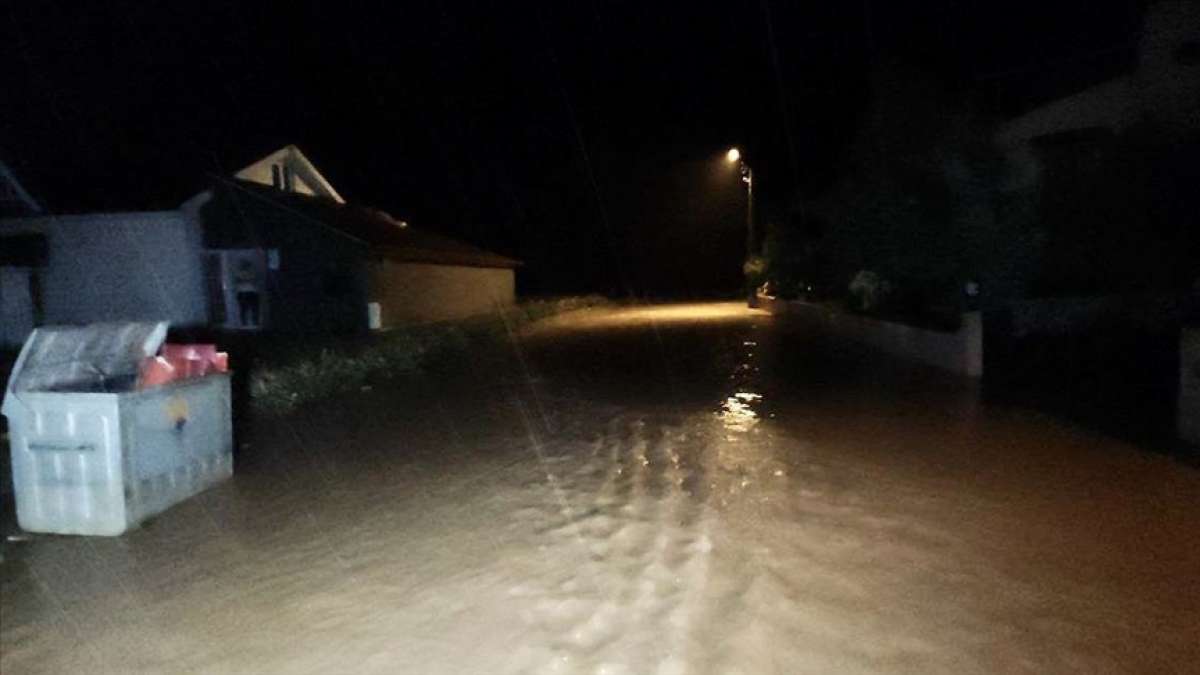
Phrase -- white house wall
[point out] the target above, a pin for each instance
(120, 266)
(420, 292)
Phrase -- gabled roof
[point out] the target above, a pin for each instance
(290, 158)
(382, 234)
(1163, 87)
(1111, 105)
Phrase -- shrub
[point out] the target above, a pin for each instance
(868, 291)
(303, 376)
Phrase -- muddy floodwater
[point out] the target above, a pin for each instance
(665, 489)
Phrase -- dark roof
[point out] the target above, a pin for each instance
(384, 235)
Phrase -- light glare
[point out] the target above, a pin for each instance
(733, 155)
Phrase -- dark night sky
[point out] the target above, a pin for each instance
(581, 136)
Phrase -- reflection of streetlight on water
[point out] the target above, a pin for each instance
(734, 156)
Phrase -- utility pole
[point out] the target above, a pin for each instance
(734, 156)
(748, 178)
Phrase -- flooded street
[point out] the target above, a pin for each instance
(666, 489)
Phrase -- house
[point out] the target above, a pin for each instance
(1163, 89)
(326, 260)
(1108, 173)
(273, 247)
(93, 267)
(76, 269)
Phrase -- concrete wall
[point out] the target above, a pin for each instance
(1189, 385)
(119, 266)
(960, 352)
(417, 292)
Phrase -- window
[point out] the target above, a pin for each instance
(24, 250)
(276, 177)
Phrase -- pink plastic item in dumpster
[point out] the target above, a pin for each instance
(193, 360)
(155, 371)
(178, 362)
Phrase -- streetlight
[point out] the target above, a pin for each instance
(734, 156)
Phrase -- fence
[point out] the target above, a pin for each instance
(959, 352)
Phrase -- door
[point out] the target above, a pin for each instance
(237, 288)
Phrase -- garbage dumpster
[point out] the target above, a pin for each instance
(93, 454)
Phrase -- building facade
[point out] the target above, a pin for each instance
(272, 248)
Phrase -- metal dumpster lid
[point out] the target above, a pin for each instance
(62, 357)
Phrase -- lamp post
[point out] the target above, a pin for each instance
(734, 156)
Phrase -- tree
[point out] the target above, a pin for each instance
(926, 201)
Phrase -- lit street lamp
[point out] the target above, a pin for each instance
(734, 156)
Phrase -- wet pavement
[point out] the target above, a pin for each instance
(665, 489)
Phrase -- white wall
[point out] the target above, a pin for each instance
(960, 352)
(120, 266)
(419, 292)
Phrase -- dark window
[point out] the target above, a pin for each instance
(24, 250)
(276, 176)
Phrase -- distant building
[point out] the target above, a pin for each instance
(274, 247)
